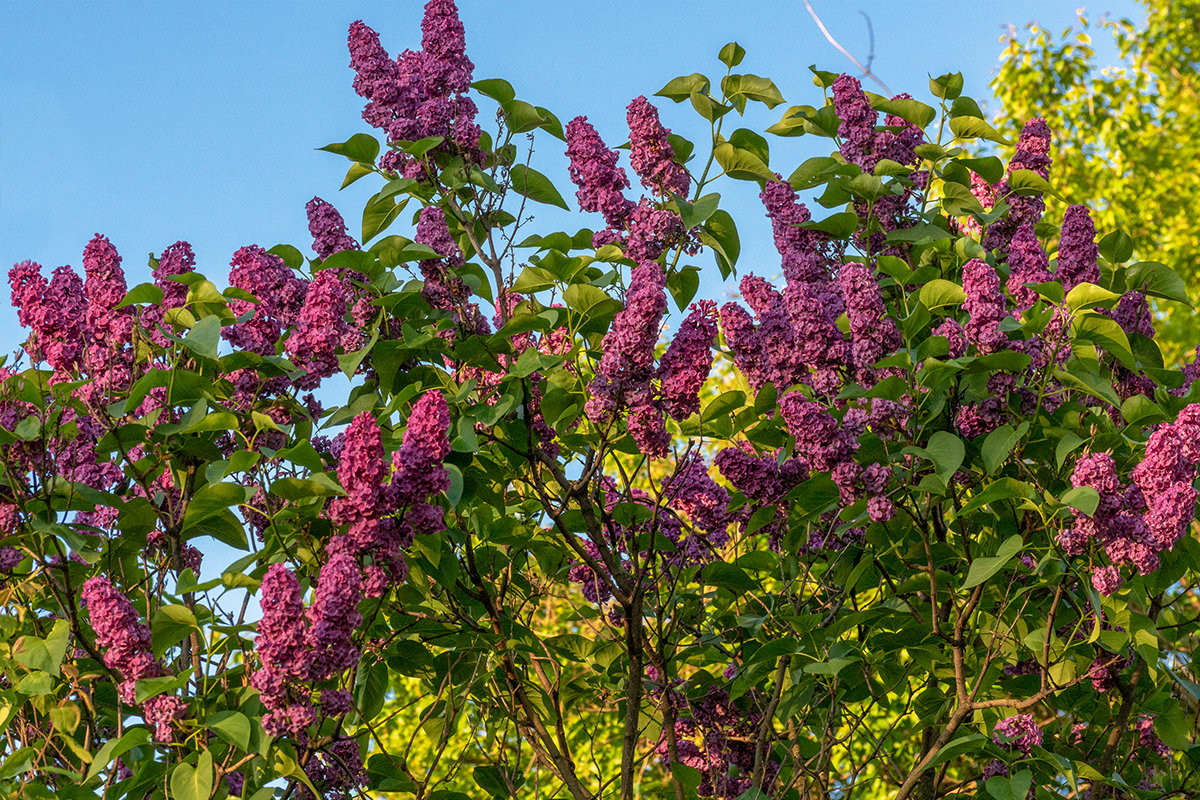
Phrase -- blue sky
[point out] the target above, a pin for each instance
(152, 122)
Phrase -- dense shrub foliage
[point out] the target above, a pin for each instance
(911, 518)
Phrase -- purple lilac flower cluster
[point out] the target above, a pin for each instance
(716, 738)
(1032, 153)
(328, 229)
(1135, 522)
(651, 154)
(322, 330)
(443, 289)
(125, 643)
(643, 229)
(765, 482)
(420, 94)
(1077, 250)
(1019, 733)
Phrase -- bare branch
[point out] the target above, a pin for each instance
(866, 70)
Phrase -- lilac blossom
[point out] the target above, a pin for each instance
(873, 333)
(685, 365)
(419, 473)
(626, 364)
(595, 173)
(321, 330)
(746, 345)
(1077, 250)
(985, 305)
(651, 154)
(1027, 264)
(1018, 733)
(857, 122)
(328, 229)
(333, 617)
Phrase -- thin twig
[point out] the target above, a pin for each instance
(866, 70)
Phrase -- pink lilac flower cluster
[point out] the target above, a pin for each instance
(1032, 153)
(372, 503)
(1135, 522)
(280, 295)
(125, 643)
(687, 361)
(322, 330)
(765, 482)
(692, 492)
(1027, 263)
(864, 146)
(643, 229)
(337, 770)
(594, 171)
(282, 648)
(716, 738)
(176, 260)
(1077, 250)
(873, 333)
(651, 154)
(444, 290)
(1019, 733)
(622, 378)
(1148, 738)
(328, 229)
(420, 94)
(805, 345)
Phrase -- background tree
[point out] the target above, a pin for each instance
(1123, 132)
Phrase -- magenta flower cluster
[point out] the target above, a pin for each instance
(1020, 733)
(421, 93)
(1135, 522)
(125, 643)
(643, 229)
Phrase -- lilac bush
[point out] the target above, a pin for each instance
(508, 512)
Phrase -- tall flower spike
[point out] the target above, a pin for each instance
(1077, 250)
(447, 68)
(328, 229)
(177, 259)
(685, 365)
(361, 470)
(857, 126)
(1027, 264)
(426, 443)
(651, 154)
(595, 173)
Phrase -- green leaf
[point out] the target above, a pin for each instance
(999, 443)
(1107, 333)
(752, 87)
(498, 89)
(1117, 247)
(115, 748)
(723, 404)
(695, 214)
(1157, 280)
(966, 107)
(731, 54)
(193, 783)
(212, 498)
(681, 88)
(910, 110)
(948, 86)
(360, 147)
(535, 186)
(946, 451)
(975, 128)
(728, 576)
(721, 234)
(990, 168)
(204, 337)
(357, 170)
(1084, 499)
(232, 726)
(378, 214)
(1089, 295)
(36, 684)
(939, 292)
(983, 569)
(317, 484)
(142, 293)
(839, 226)
(741, 164)
(1026, 181)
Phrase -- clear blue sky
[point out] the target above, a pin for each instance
(151, 122)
